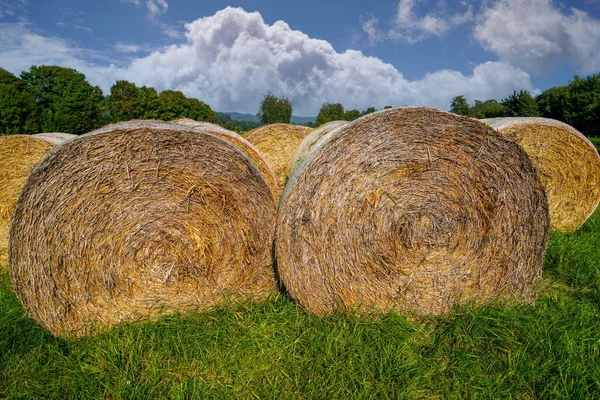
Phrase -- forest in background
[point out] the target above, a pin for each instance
(58, 99)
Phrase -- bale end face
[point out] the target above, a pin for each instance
(567, 162)
(412, 210)
(131, 223)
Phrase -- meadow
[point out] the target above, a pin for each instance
(549, 349)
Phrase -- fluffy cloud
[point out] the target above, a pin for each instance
(537, 35)
(411, 28)
(232, 58)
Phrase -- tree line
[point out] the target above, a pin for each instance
(577, 104)
(58, 99)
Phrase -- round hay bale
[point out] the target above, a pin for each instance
(278, 143)
(412, 210)
(313, 141)
(567, 162)
(230, 136)
(19, 154)
(133, 221)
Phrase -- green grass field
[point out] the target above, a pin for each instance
(550, 349)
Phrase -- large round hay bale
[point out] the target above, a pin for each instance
(567, 162)
(251, 151)
(412, 210)
(19, 154)
(133, 221)
(313, 141)
(278, 143)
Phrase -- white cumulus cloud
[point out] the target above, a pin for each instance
(231, 59)
(538, 35)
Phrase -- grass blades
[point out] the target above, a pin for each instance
(550, 349)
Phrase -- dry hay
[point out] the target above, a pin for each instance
(133, 221)
(313, 141)
(251, 151)
(19, 154)
(412, 210)
(567, 162)
(207, 126)
(278, 143)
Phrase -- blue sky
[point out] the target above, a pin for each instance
(358, 53)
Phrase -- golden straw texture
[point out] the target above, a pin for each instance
(567, 162)
(251, 151)
(134, 222)
(278, 143)
(313, 141)
(413, 210)
(19, 154)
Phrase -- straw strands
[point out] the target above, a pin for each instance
(133, 221)
(19, 154)
(278, 143)
(567, 162)
(413, 210)
(251, 151)
(313, 141)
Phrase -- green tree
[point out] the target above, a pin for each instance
(18, 111)
(149, 102)
(520, 104)
(488, 109)
(67, 101)
(351, 115)
(125, 101)
(274, 109)
(368, 111)
(173, 104)
(460, 106)
(582, 108)
(330, 112)
(552, 103)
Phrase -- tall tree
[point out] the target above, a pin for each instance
(67, 101)
(582, 109)
(274, 109)
(330, 112)
(18, 111)
(125, 101)
(460, 106)
(520, 104)
(149, 102)
(552, 103)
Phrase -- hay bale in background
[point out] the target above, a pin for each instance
(230, 136)
(132, 221)
(278, 143)
(567, 162)
(19, 154)
(313, 141)
(413, 210)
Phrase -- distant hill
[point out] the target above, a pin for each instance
(236, 116)
(242, 117)
(302, 120)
